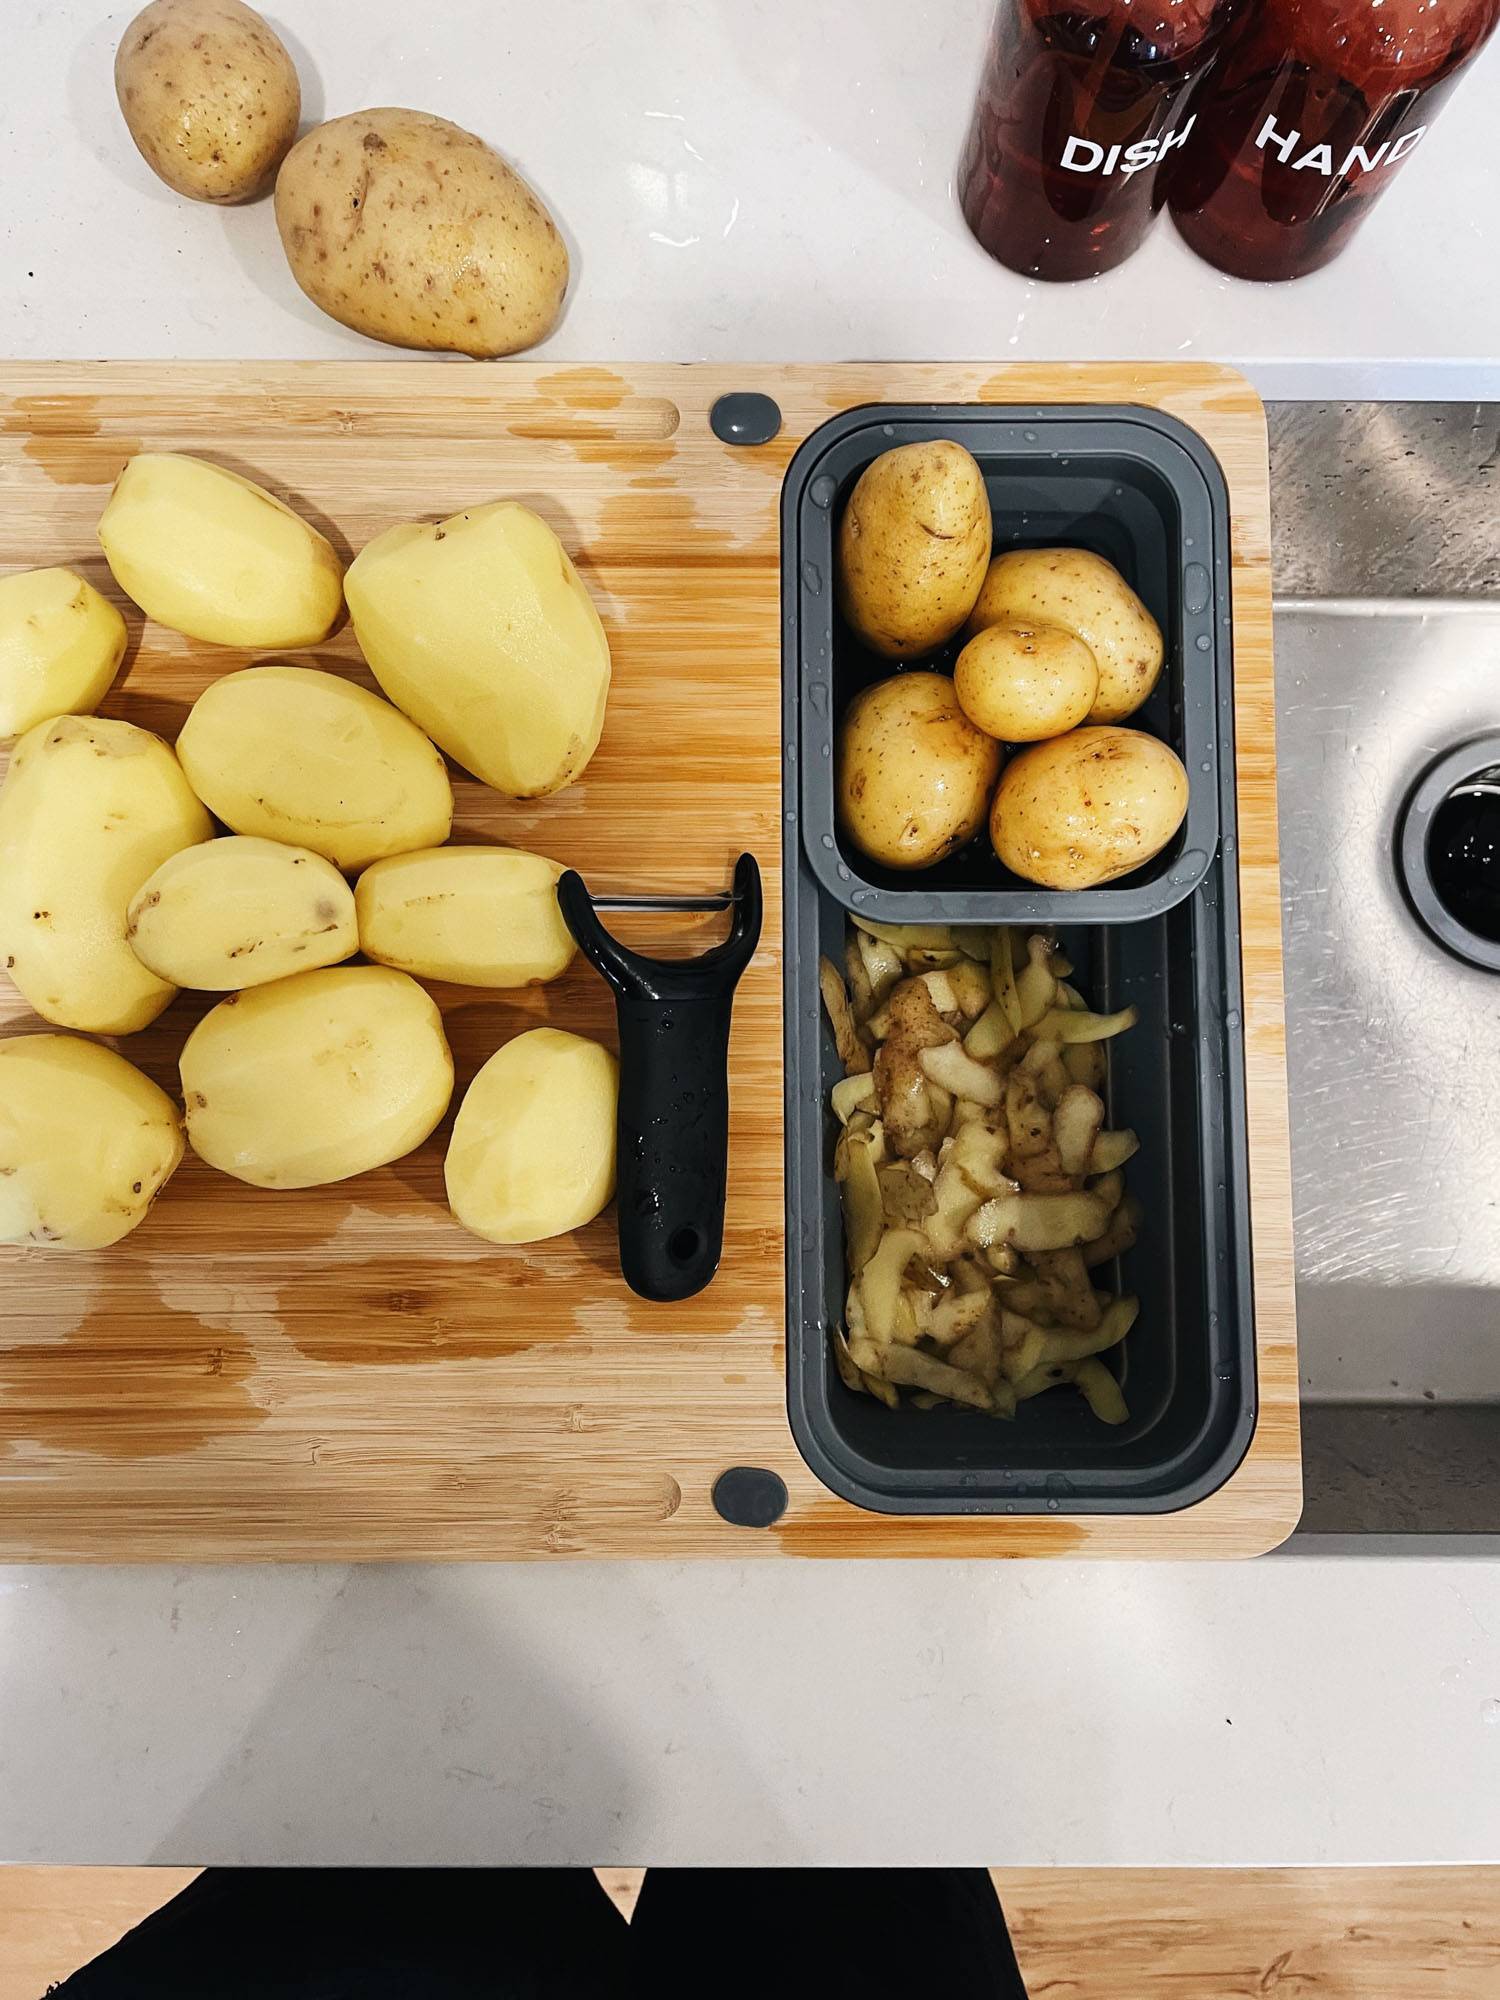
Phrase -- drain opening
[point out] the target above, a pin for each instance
(1463, 853)
(1449, 852)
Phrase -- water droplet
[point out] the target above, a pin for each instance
(791, 753)
(1204, 643)
(812, 576)
(843, 872)
(826, 748)
(1204, 766)
(888, 430)
(1232, 1018)
(822, 490)
(791, 815)
(1029, 436)
(1489, 1712)
(1052, 1506)
(828, 841)
(1187, 541)
(860, 896)
(817, 694)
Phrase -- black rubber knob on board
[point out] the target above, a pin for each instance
(744, 416)
(748, 1496)
(673, 1134)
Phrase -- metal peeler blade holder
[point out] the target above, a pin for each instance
(673, 1014)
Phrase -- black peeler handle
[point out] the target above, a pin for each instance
(673, 1149)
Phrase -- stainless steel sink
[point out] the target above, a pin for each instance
(1393, 1044)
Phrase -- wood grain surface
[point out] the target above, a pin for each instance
(345, 1373)
(1080, 1934)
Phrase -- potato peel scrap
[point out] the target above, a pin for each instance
(980, 1184)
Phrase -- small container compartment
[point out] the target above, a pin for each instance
(1131, 484)
(1143, 491)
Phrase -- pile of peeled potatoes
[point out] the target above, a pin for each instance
(117, 886)
(1057, 652)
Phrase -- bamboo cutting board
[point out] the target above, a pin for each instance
(345, 1373)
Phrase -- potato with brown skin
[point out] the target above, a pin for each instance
(1087, 807)
(913, 775)
(1025, 682)
(912, 547)
(1087, 596)
(411, 230)
(210, 95)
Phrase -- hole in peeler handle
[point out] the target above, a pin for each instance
(683, 1246)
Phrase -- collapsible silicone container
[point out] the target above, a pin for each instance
(1188, 1365)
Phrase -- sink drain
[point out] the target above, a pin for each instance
(1448, 851)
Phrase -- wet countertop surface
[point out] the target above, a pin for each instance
(758, 182)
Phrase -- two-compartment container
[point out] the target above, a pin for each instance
(1141, 489)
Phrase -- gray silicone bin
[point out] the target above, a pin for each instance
(1168, 941)
(1131, 484)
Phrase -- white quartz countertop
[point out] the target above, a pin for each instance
(739, 179)
(751, 180)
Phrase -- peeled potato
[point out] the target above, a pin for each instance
(913, 775)
(411, 230)
(480, 916)
(61, 645)
(86, 1143)
(1088, 807)
(241, 912)
(216, 556)
(1024, 683)
(533, 1147)
(88, 810)
(297, 755)
(210, 95)
(1087, 596)
(317, 1077)
(912, 547)
(480, 629)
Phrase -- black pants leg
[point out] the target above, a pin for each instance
(826, 1933)
(371, 1934)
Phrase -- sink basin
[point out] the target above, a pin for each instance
(1393, 1050)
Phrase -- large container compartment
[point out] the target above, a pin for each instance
(1167, 941)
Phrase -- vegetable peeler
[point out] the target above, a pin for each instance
(673, 1130)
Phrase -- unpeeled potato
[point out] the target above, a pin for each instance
(409, 229)
(1025, 682)
(1087, 596)
(1088, 807)
(913, 775)
(210, 95)
(912, 547)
